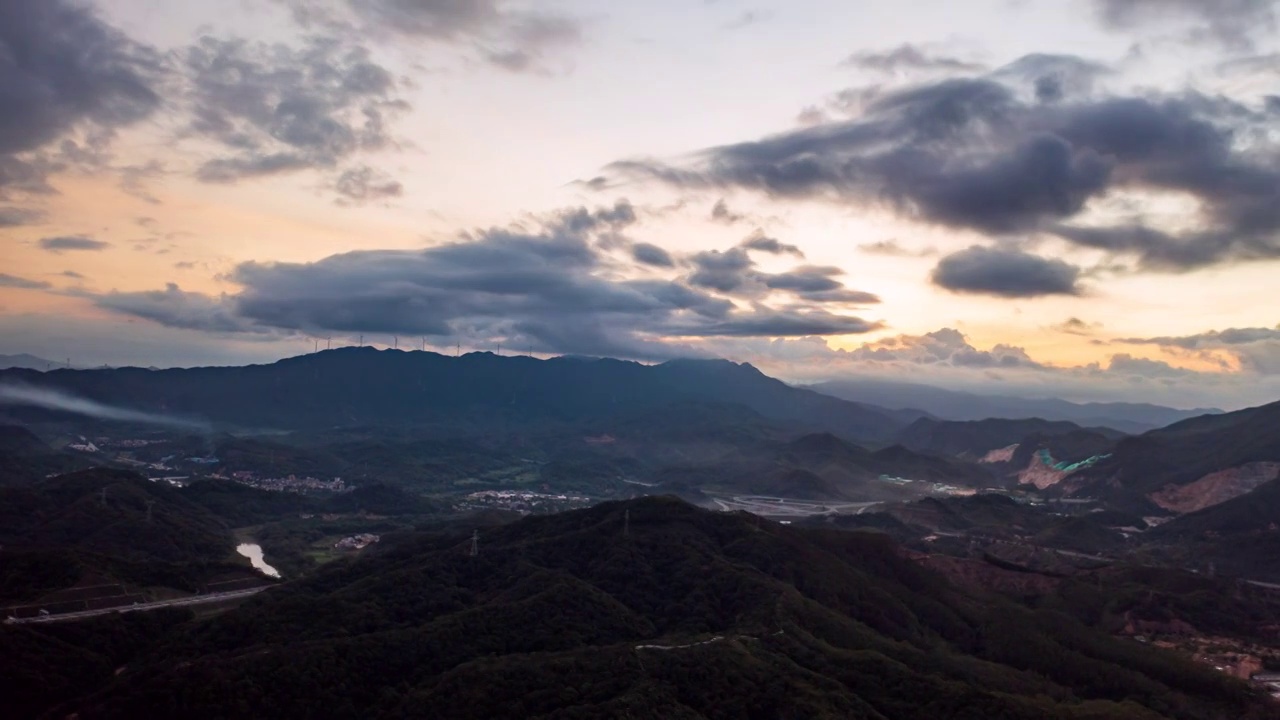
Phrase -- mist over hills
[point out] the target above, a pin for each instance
(956, 405)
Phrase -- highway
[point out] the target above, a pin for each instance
(788, 508)
(140, 607)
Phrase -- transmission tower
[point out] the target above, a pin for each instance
(149, 504)
(104, 497)
(475, 543)
(626, 523)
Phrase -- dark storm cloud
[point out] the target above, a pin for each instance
(12, 281)
(555, 287)
(61, 68)
(649, 254)
(1233, 23)
(910, 152)
(1005, 273)
(175, 307)
(988, 155)
(725, 271)
(272, 109)
(907, 57)
(72, 242)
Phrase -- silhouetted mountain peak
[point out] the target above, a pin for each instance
(367, 386)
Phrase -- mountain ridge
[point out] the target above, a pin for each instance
(959, 405)
(362, 385)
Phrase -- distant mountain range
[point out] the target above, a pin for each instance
(29, 362)
(976, 438)
(514, 384)
(956, 405)
(1190, 465)
(364, 386)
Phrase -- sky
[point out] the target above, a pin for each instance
(1071, 198)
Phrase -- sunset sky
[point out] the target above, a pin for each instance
(1078, 198)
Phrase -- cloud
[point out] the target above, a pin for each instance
(1005, 273)
(273, 109)
(1255, 350)
(818, 284)
(1076, 326)
(906, 58)
(1232, 23)
(1055, 77)
(721, 213)
(1144, 367)
(784, 324)
(530, 38)
(72, 242)
(733, 272)
(12, 281)
(989, 155)
(910, 152)
(725, 271)
(1211, 339)
(811, 116)
(649, 254)
(513, 39)
(558, 285)
(17, 216)
(363, 184)
(773, 246)
(893, 248)
(64, 69)
(947, 358)
(943, 347)
(177, 308)
(1265, 65)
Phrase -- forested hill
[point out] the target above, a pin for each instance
(365, 386)
(976, 438)
(1245, 442)
(652, 608)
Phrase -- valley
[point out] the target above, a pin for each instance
(826, 551)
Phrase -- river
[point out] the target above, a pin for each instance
(254, 553)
